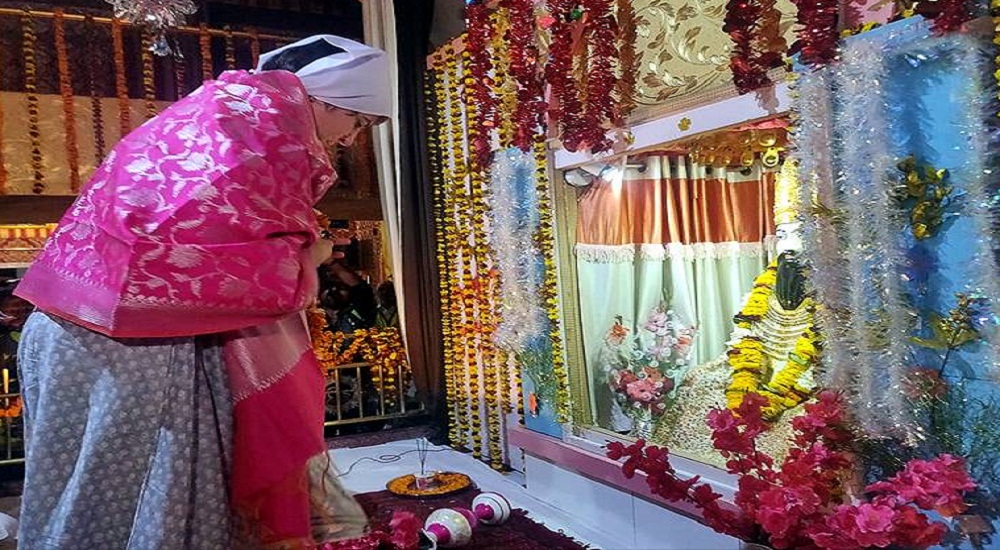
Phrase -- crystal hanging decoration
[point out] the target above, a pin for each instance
(158, 15)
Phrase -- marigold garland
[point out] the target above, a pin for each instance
(96, 106)
(755, 29)
(148, 76)
(12, 409)
(382, 348)
(550, 286)
(436, 97)
(29, 40)
(205, 45)
(66, 91)
(749, 361)
(121, 86)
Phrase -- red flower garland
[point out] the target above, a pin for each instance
(754, 27)
(945, 15)
(480, 83)
(627, 62)
(817, 35)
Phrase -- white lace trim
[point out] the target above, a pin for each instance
(628, 253)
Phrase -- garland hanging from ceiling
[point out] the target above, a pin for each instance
(589, 66)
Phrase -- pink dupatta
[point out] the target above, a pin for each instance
(199, 222)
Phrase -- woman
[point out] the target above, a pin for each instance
(167, 373)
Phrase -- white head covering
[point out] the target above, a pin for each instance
(357, 79)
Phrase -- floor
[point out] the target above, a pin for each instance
(367, 469)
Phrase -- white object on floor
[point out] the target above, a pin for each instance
(8, 527)
(367, 476)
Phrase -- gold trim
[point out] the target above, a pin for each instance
(579, 380)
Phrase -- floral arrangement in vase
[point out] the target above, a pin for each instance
(644, 369)
(812, 499)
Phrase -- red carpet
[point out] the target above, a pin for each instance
(519, 533)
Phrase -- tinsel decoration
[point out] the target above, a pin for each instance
(66, 91)
(527, 118)
(566, 106)
(874, 246)
(513, 223)
(946, 15)
(817, 36)
(230, 48)
(599, 104)
(478, 82)
(758, 46)
(28, 44)
(96, 106)
(121, 86)
(995, 13)
(148, 76)
(205, 46)
(982, 205)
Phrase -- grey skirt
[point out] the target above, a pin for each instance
(128, 441)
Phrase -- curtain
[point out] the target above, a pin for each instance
(418, 277)
(686, 236)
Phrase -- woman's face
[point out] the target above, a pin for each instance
(340, 127)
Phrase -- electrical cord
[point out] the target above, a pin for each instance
(388, 459)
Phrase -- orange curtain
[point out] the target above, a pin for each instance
(675, 201)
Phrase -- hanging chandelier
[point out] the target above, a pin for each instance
(157, 15)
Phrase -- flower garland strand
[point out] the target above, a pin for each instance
(600, 107)
(816, 39)
(439, 115)
(29, 40)
(96, 105)
(121, 85)
(148, 76)
(546, 242)
(66, 90)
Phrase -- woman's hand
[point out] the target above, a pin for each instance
(322, 250)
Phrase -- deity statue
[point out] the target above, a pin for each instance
(771, 352)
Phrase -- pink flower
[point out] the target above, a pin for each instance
(405, 531)
(873, 523)
(914, 528)
(783, 508)
(937, 484)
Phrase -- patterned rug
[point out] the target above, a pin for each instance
(519, 533)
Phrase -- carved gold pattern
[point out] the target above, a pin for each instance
(682, 50)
